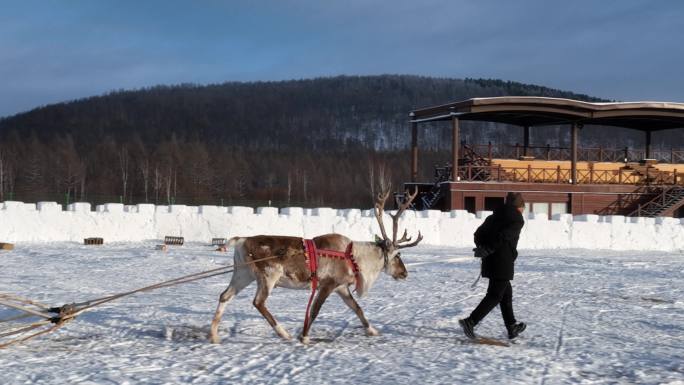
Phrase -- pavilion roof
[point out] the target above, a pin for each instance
(541, 111)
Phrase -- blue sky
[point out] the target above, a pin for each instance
(52, 51)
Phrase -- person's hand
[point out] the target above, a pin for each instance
(482, 251)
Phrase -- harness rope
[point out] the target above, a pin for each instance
(312, 253)
(68, 312)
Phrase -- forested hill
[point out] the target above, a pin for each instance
(316, 142)
(370, 110)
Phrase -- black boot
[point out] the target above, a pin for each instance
(515, 329)
(468, 327)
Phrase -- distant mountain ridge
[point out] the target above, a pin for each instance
(370, 111)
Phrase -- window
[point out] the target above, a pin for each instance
(559, 208)
(540, 208)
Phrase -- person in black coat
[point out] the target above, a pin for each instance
(496, 242)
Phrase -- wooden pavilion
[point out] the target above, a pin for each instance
(573, 180)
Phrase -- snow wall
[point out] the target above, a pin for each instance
(46, 221)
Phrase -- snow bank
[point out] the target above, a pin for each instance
(46, 221)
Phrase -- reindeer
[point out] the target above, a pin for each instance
(254, 261)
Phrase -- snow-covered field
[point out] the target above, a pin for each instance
(593, 317)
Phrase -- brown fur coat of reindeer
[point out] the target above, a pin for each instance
(290, 269)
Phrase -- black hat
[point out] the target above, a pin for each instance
(515, 199)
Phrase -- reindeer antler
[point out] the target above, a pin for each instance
(379, 210)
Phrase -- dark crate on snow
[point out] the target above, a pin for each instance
(168, 240)
(93, 241)
(218, 241)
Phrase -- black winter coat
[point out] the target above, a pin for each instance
(500, 232)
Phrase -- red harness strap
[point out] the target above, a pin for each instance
(312, 253)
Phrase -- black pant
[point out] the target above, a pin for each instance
(498, 292)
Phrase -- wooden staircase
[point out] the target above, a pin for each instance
(662, 205)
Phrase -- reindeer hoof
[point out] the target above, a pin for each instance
(282, 332)
(215, 339)
(304, 340)
(371, 331)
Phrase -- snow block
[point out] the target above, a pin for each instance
(325, 212)
(590, 218)
(146, 208)
(100, 208)
(459, 214)
(428, 214)
(178, 209)
(240, 210)
(13, 206)
(48, 207)
(562, 217)
(267, 211)
(353, 214)
(538, 216)
(666, 221)
(294, 212)
(209, 210)
(161, 209)
(613, 219)
(637, 220)
(114, 207)
(79, 207)
(483, 214)
(370, 213)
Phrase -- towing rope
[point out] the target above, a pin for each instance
(68, 312)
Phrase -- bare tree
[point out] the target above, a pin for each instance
(2, 174)
(289, 187)
(123, 167)
(144, 168)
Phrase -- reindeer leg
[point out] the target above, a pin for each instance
(241, 279)
(351, 302)
(323, 293)
(264, 288)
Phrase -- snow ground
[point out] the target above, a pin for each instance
(593, 317)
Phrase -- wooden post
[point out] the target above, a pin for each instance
(526, 140)
(414, 152)
(626, 154)
(454, 147)
(648, 145)
(675, 176)
(573, 152)
(517, 151)
(529, 173)
(558, 174)
(619, 176)
(548, 151)
(601, 154)
(489, 152)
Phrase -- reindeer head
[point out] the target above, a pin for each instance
(390, 247)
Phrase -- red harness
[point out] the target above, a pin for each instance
(312, 253)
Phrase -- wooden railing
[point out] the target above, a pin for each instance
(560, 175)
(590, 154)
